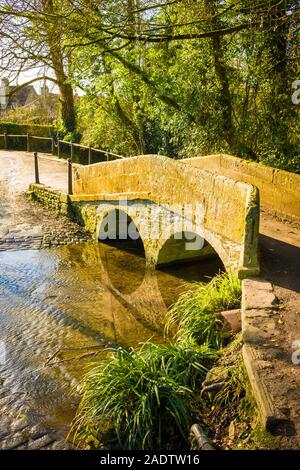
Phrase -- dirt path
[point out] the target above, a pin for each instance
(23, 224)
(18, 168)
(280, 264)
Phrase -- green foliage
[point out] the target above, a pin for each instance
(20, 143)
(176, 78)
(195, 312)
(198, 96)
(42, 112)
(108, 131)
(13, 128)
(144, 394)
(74, 136)
(147, 395)
(288, 162)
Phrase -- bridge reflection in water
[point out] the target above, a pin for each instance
(64, 307)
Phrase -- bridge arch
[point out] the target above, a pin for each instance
(117, 224)
(185, 247)
(130, 225)
(230, 208)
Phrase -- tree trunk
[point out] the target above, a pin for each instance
(225, 101)
(221, 73)
(68, 113)
(279, 104)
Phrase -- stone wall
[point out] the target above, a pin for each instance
(269, 368)
(231, 208)
(54, 200)
(279, 190)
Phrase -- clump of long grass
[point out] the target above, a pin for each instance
(142, 394)
(194, 315)
(145, 395)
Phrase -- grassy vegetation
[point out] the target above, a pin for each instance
(195, 314)
(147, 396)
(230, 411)
(13, 128)
(142, 394)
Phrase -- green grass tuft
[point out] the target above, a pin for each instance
(194, 314)
(147, 396)
(142, 394)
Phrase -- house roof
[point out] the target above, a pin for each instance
(21, 96)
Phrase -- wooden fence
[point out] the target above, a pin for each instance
(85, 155)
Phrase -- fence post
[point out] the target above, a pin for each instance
(53, 146)
(107, 157)
(5, 140)
(36, 168)
(90, 155)
(72, 151)
(28, 143)
(70, 176)
(58, 148)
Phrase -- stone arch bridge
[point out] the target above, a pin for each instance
(159, 199)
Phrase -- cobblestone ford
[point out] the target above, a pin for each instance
(25, 225)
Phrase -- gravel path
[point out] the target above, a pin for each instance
(24, 224)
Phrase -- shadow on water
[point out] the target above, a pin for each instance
(63, 308)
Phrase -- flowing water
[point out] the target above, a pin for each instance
(63, 308)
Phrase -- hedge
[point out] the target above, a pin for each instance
(38, 130)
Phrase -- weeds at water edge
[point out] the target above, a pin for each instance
(147, 395)
(230, 412)
(194, 315)
(144, 394)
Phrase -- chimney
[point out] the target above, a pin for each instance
(44, 90)
(4, 93)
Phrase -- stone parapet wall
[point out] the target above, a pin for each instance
(231, 208)
(279, 190)
(54, 200)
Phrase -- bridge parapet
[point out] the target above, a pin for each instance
(279, 189)
(230, 219)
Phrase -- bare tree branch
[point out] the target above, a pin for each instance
(37, 79)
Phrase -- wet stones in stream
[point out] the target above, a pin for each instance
(32, 227)
(18, 432)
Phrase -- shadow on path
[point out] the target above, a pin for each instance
(280, 263)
